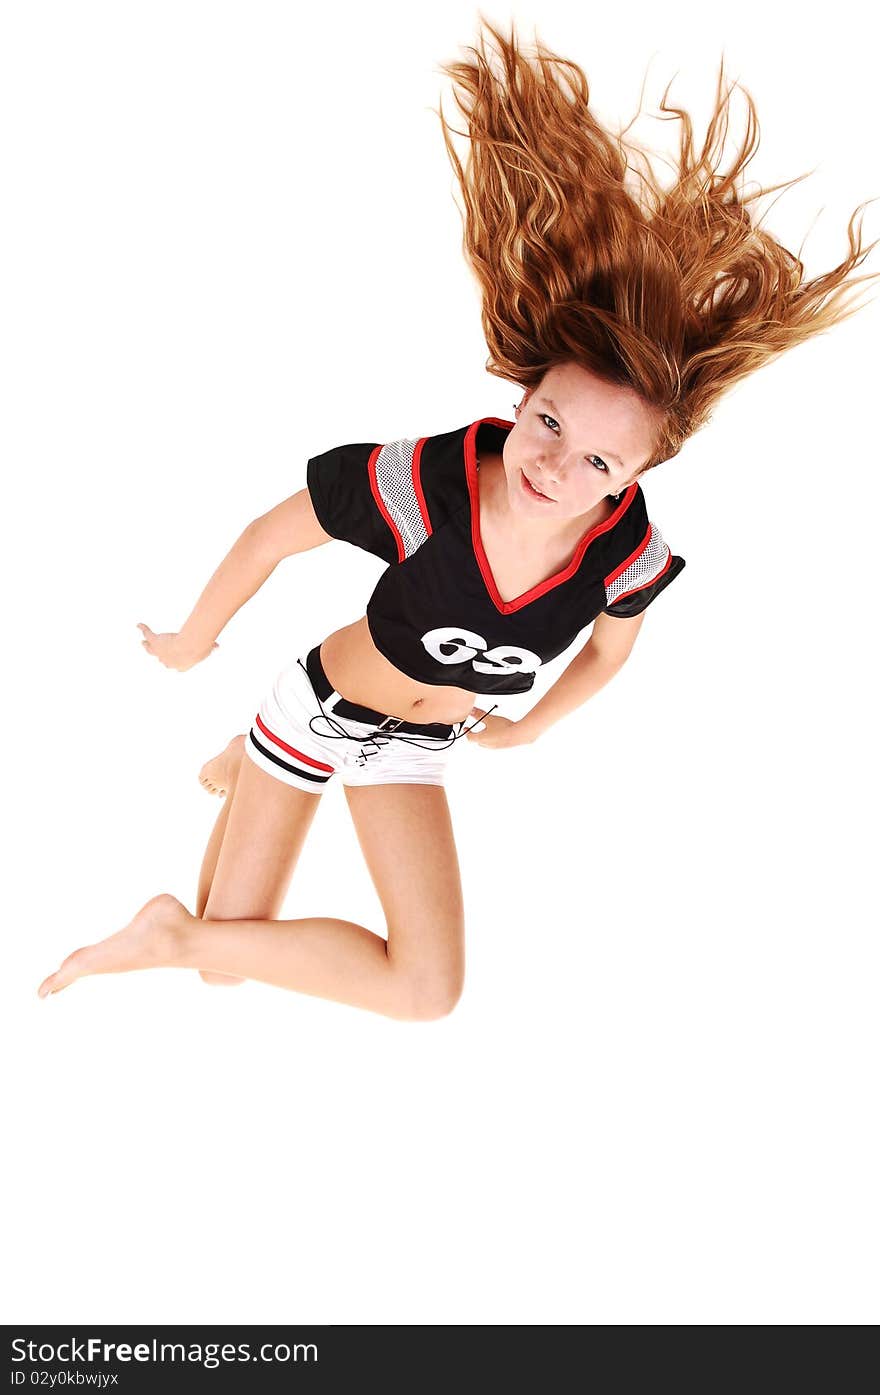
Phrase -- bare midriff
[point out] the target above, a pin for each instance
(361, 674)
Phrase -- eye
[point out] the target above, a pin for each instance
(602, 467)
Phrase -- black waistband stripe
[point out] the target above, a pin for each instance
(438, 735)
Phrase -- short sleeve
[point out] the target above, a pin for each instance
(640, 580)
(374, 495)
(342, 487)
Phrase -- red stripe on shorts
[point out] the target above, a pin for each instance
(291, 750)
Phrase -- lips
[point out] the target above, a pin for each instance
(532, 492)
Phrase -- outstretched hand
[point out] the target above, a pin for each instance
(174, 650)
(497, 733)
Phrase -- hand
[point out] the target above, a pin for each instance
(175, 650)
(499, 732)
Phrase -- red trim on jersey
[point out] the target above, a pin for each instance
(506, 607)
(291, 750)
(417, 484)
(380, 504)
(628, 563)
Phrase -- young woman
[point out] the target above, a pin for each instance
(623, 313)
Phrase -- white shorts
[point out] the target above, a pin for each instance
(304, 733)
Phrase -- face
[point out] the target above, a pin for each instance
(576, 438)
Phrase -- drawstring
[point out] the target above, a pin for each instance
(378, 737)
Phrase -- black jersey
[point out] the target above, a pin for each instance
(436, 613)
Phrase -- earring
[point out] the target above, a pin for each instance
(615, 497)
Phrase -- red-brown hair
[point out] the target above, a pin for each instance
(674, 292)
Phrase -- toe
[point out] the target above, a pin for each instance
(60, 979)
(75, 966)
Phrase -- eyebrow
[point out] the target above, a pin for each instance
(549, 403)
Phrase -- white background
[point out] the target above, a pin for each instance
(230, 240)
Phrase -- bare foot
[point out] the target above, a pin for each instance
(218, 774)
(151, 941)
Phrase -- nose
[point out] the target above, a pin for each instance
(548, 472)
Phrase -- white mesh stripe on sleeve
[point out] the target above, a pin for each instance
(645, 569)
(394, 477)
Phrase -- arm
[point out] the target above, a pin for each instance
(602, 656)
(606, 651)
(289, 528)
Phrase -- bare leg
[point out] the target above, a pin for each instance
(224, 769)
(251, 855)
(417, 975)
(321, 957)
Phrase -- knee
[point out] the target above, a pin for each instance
(428, 1001)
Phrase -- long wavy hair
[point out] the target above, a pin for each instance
(675, 292)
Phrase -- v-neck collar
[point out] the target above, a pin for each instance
(506, 607)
